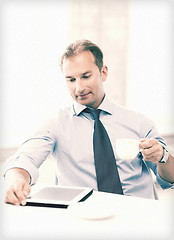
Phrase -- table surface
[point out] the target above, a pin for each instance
(133, 218)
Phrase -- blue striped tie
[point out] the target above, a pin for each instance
(108, 179)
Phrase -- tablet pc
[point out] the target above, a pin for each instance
(58, 196)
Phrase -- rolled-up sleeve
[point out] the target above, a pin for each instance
(24, 163)
(153, 166)
(164, 184)
(33, 152)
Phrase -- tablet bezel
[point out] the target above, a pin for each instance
(33, 201)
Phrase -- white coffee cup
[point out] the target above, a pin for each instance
(127, 148)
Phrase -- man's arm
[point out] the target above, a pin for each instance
(17, 186)
(153, 151)
(166, 170)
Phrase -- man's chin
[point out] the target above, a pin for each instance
(83, 102)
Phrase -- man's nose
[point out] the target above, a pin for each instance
(79, 86)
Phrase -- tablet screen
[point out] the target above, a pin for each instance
(60, 194)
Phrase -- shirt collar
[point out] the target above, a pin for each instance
(105, 106)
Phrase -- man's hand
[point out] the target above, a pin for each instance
(17, 186)
(152, 150)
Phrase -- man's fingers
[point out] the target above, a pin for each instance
(18, 190)
(17, 193)
(26, 190)
(147, 143)
(151, 149)
(11, 198)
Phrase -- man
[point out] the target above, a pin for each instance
(69, 136)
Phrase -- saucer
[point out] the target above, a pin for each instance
(91, 211)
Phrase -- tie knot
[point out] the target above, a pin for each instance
(96, 113)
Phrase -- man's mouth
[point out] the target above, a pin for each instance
(81, 96)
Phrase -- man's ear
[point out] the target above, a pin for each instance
(104, 73)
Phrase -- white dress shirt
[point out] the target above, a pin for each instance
(68, 136)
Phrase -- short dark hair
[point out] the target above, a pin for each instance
(83, 45)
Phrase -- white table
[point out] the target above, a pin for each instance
(134, 218)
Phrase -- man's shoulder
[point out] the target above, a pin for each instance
(132, 120)
(55, 120)
(58, 116)
(120, 110)
(65, 111)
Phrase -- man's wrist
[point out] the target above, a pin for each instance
(165, 156)
(16, 173)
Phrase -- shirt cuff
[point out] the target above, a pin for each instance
(24, 163)
(164, 184)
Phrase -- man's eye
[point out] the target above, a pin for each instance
(85, 77)
(72, 79)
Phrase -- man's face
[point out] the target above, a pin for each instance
(84, 80)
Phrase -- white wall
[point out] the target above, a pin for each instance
(33, 35)
(150, 85)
